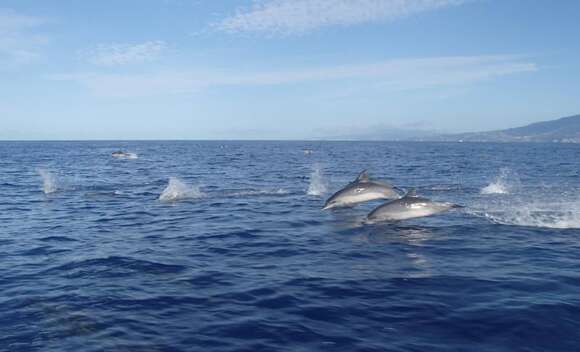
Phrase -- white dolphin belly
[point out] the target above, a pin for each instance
(363, 197)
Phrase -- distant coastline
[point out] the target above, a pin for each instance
(562, 130)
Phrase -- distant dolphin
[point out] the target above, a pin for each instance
(361, 190)
(119, 154)
(123, 154)
(409, 207)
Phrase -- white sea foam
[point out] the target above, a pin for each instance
(132, 156)
(49, 181)
(560, 215)
(317, 186)
(444, 187)
(494, 188)
(262, 192)
(178, 190)
(506, 182)
(125, 155)
(531, 206)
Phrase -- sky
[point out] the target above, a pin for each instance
(282, 69)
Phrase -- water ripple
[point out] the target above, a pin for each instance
(243, 258)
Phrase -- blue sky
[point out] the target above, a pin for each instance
(282, 69)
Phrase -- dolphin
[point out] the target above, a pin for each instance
(361, 190)
(409, 207)
(119, 154)
(124, 154)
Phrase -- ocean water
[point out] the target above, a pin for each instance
(223, 246)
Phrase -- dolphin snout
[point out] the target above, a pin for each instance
(329, 204)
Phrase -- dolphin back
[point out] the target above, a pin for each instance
(409, 207)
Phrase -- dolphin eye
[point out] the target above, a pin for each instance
(358, 190)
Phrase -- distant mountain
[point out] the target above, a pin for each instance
(564, 130)
(385, 134)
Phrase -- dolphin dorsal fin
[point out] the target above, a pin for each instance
(412, 192)
(363, 176)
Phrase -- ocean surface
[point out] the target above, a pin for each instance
(223, 246)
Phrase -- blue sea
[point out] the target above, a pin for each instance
(223, 246)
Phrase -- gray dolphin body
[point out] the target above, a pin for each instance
(120, 154)
(409, 207)
(361, 190)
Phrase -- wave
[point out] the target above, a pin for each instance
(444, 187)
(179, 190)
(317, 186)
(49, 181)
(264, 192)
(506, 182)
(105, 193)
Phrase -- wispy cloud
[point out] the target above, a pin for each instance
(12, 21)
(389, 75)
(117, 54)
(19, 38)
(300, 16)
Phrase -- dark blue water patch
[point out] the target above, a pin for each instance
(10, 185)
(548, 327)
(210, 279)
(238, 235)
(5, 242)
(161, 306)
(114, 267)
(43, 251)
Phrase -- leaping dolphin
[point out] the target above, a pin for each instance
(361, 190)
(409, 207)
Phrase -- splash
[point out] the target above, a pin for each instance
(49, 182)
(178, 190)
(132, 156)
(558, 215)
(534, 206)
(494, 188)
(506, 182)
(124, 155)
(317, 186)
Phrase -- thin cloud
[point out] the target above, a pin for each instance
(10, 21)
(287, 17)
(19, 38)
(117, 54)
(391, 75)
